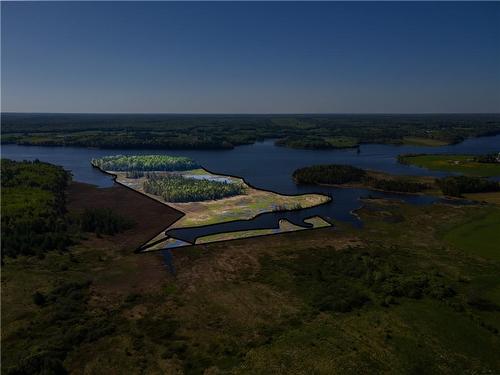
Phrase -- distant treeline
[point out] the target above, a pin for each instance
(34, 215)
(228, 131)
(316, 142)
(334, 174)
(139, 163)
(175, 188)
(485, 158)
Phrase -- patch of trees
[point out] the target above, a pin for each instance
(33, 208)
(225, 132)
(138, 163)
(103, 221)
(342, 174)
(456, 186)
(400, 185)
(175, 188)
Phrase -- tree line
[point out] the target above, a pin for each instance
(456, 186)
(225, 132)
(335, 174)
(138, 163)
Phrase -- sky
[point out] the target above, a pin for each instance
(250, 57)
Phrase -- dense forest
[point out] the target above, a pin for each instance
(175, 188)
(456, 186)
(139, 163)
(228, 131)
(33, 208)
(34, 215)
(335, 174)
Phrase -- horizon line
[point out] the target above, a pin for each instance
(248, 114)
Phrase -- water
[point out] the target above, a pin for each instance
(266, 166)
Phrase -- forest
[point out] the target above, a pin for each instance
(34, 215)
(333, 174)
(175, 188)
(139, 163)
(456, 186)
(228, 131)
(33, 208)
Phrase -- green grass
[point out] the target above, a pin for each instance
(454, 163)
(478, 236)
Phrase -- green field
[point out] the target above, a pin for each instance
(478, 235)
(454, 163)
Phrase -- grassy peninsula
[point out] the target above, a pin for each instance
(470, 165)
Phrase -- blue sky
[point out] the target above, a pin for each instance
(237, 57)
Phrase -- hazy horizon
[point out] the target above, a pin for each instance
(251, 58)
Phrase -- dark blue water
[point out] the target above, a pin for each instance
(266, 166)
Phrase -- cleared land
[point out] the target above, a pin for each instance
(464, 164)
